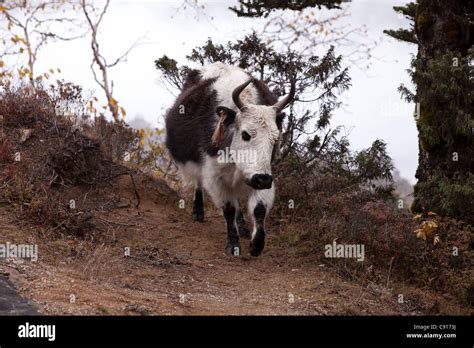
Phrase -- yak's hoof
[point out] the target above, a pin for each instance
(198, 216)
(256, 246)
(233, 249)
(244, 232)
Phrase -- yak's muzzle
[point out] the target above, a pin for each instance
(260, 181)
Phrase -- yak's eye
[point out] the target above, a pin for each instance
(245, 136)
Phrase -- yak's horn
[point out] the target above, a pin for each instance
(236, 94)
(282, 103)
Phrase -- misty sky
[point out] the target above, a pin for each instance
(372, 106)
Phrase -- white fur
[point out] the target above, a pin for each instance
(190, 173)
(229, 77)
(264, 196)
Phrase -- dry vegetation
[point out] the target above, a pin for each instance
(57, 165)
(399, 247)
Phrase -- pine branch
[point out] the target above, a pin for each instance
(404, 35)
(262, 8)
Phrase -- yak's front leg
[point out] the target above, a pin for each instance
(241, 225)
(233, 244)
(260, 203)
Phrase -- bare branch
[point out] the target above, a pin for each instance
(124, 57)
(29, 25)
(98, 60)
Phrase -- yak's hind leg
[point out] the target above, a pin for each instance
(198, 205)
(191, 174)
(223, 196)
(244, 231)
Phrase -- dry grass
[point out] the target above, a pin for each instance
(52, 164)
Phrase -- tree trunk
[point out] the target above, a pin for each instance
(444, 29)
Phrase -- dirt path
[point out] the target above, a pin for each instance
(177, 266)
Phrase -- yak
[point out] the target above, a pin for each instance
(222, 132)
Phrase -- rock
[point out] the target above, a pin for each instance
(123, 203)
(136, 308)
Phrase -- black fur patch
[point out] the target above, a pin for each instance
(190, 122)
(242, 225)
(258, 242)
(265, 96)
(198, 206)
(259, 213)
(232, 236)
(194, 76)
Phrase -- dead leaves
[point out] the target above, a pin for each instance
(426, 231)
(427, 228)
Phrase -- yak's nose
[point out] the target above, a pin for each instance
(261, 181)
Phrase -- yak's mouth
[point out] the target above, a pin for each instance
(260, 181)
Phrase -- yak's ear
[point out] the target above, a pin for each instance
(226, 118)
(227, 114)
(279, 119)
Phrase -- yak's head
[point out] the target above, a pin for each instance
(251, 134)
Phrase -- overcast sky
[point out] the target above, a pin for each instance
(373, 108)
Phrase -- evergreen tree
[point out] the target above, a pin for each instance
(443, 75)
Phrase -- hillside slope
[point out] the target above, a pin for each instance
(177, 266)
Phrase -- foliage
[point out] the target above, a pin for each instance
(100, 65)
(448, 85)
(374, 163)
(449, 196)
(405, 35)
(30, 25)
(262, 8)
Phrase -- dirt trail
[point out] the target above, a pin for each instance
(177, 266)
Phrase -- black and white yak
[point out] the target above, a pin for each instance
(222, 132)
